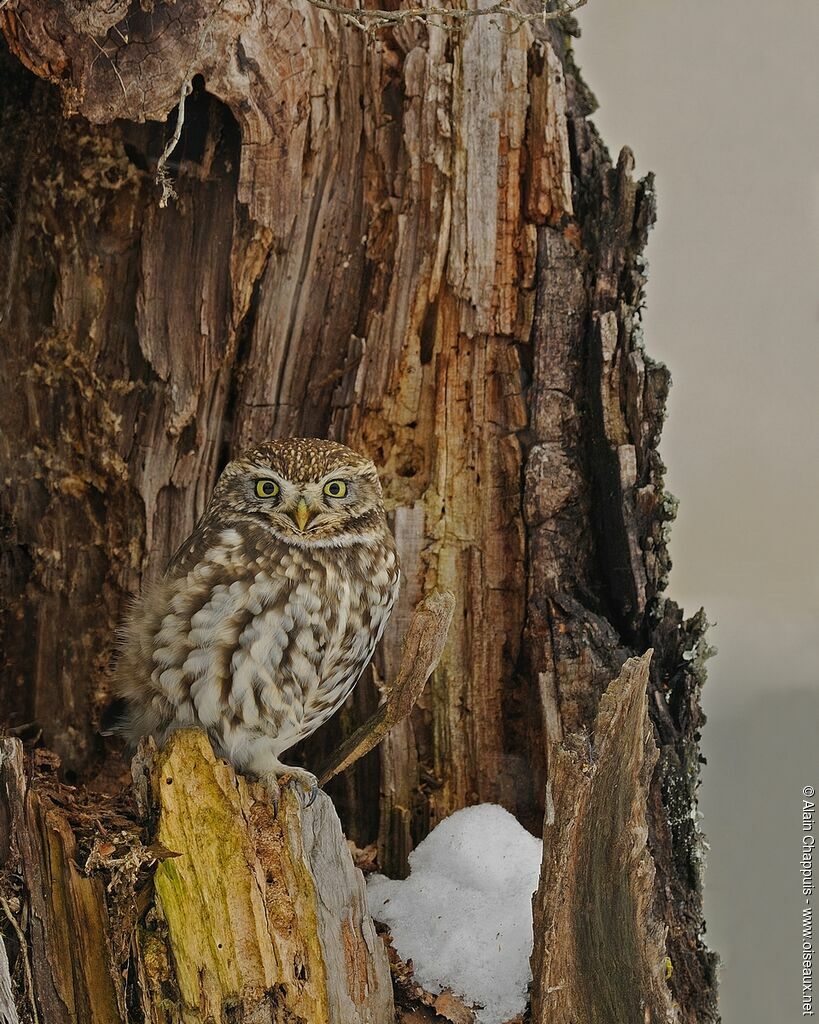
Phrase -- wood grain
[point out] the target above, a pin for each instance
(600, 953)
(414, 242)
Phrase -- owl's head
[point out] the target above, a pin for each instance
(306, 490)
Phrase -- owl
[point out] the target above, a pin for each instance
(268, 613)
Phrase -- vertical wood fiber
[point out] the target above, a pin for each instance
(415, 243)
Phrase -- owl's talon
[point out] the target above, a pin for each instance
(274, 791)
(304, 782)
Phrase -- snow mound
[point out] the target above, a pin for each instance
(464, 916)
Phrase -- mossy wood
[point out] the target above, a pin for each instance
(413, 241)
(265, 914)
(254, 916)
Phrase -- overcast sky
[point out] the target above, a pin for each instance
(721, 100)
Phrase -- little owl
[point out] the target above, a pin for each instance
(268, 613)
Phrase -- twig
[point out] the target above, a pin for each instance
(423, 646)
(24, 954)
(162, 178)
(368, 20)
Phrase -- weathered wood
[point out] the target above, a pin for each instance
(261, 914)
(423, 645)
(441, 267)
(597, 521)
(600, 953)
(379, 299)
(8, 1011)
(254, 915)
(68, 943)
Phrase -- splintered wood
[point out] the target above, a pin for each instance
(259, 913)
(255, 916)
(414, 242)
(599, 953)
(66, 954)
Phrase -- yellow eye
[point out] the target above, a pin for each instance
(266, 488)
(335, 488)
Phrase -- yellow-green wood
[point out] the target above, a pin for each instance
(238, 900)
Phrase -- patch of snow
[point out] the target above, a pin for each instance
(464, 916)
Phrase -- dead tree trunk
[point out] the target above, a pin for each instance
(413, 241)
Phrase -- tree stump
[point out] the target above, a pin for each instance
(600, 954)
(413, 241)
(261, 913)
(254, 916)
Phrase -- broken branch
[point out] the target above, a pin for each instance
(368, 19)
(423, 646)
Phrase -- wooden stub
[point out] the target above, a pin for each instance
(423, 646)
(259, 917)
(67, 959)
(599, 954)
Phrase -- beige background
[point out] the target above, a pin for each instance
(721, 100)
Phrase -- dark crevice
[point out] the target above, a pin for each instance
(209, 144)
(244, 341)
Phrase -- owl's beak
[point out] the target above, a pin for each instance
(302, 515)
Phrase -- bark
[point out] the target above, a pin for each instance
(599, 952)
(414, 242)
(254, 916)
(65, 953)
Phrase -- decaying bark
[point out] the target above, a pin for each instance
(413, 242)
(600, 952)
(254, 916)
(67, 930)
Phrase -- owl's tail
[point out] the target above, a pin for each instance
(126, 718)
(116, 717)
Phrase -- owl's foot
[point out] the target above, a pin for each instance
(304, 782)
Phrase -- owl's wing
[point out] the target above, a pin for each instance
(222, 613)
(192, 549)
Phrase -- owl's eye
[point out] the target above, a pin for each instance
(335, 488)
(266, 488)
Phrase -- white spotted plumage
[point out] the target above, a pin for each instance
(259, 630)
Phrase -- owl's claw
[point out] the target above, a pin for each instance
(274, 791)
(304, 782)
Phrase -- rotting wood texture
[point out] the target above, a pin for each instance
(255, 917)
(413, 242)
(262, 915)
(600, 953)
